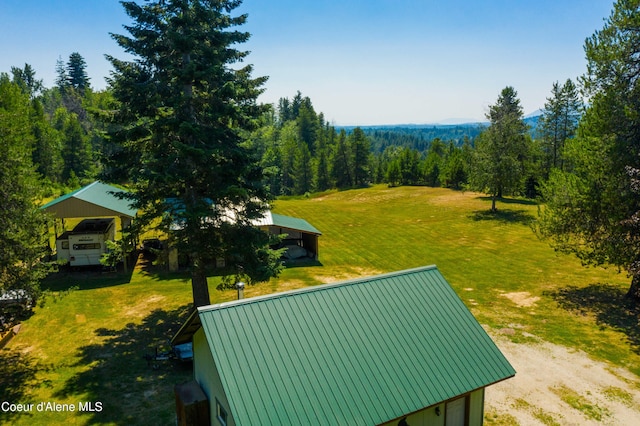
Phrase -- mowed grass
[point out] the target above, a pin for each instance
(87, 344)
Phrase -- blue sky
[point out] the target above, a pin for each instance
(361, 62)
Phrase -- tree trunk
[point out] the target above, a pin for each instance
(199, 285)
(493, 203)
(634, 289)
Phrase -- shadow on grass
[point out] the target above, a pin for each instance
(302, 263)
(609, 305)
(86, 278)
(521, 201)
(18, 375)
(115, 373)
(504, 216)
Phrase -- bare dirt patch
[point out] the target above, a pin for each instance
(557, 385)
(523, 298)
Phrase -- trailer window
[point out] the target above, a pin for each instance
(65, 245)
(91, 246)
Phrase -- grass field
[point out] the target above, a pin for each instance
(87, 343)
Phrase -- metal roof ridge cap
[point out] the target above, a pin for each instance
(321, 287)
(81, 190)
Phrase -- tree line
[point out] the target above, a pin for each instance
(303, 153)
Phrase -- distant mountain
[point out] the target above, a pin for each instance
(456, 121)
(419, 136)
(536, 113)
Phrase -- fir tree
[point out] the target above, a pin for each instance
(185, 105)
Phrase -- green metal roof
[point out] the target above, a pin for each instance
(361, 352)
(101, 195)
(294, 223)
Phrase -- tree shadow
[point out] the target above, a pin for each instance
(18, 376)
(86, 278)
(609, 305)
(521, 201)
(305, 262)
(504, 215)
(131, 389)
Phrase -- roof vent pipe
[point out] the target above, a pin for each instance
(240, 287)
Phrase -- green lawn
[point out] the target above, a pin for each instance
(87, 344)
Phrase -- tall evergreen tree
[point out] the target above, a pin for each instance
(288, 147)
(559, 122)
(77, 76)
(593, 206)
(77, 154)
(61, 75)
(184, 107)
(359, 146)
(341, 162)
(322, 179)
(302, 169)
(22, 224)
(499, 159)
(26, 78)
(47, 149)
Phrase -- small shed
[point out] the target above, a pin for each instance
(393, 349)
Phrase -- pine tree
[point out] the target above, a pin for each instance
(184, 107)
(501, 150)
(22, 224)
(559, 122)
(77, 155)
(593, 203)
(26, 79)
(341, 162)
(77, 76)
(302, 170)
(360, 147)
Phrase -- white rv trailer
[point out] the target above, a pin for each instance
(85, 244)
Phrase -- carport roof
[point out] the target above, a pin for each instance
(273, 219)
(95, 199)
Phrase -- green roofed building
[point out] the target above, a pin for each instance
(301, 237)
(393, 349)
(94, 200)
(100, 205)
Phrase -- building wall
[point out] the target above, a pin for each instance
(429, 416)
(206, 374)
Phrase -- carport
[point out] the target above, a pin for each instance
(92, 201)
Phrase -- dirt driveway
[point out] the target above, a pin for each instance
(559, 386)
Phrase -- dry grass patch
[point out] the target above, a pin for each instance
(353, 273)
(141, 308)
(523, 299)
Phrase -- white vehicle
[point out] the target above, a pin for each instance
(85, 244)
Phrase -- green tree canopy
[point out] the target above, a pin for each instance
(592, 206)
(22, 224)
(559, 122)
(185, 104)
(77, 76)
(501, 150)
